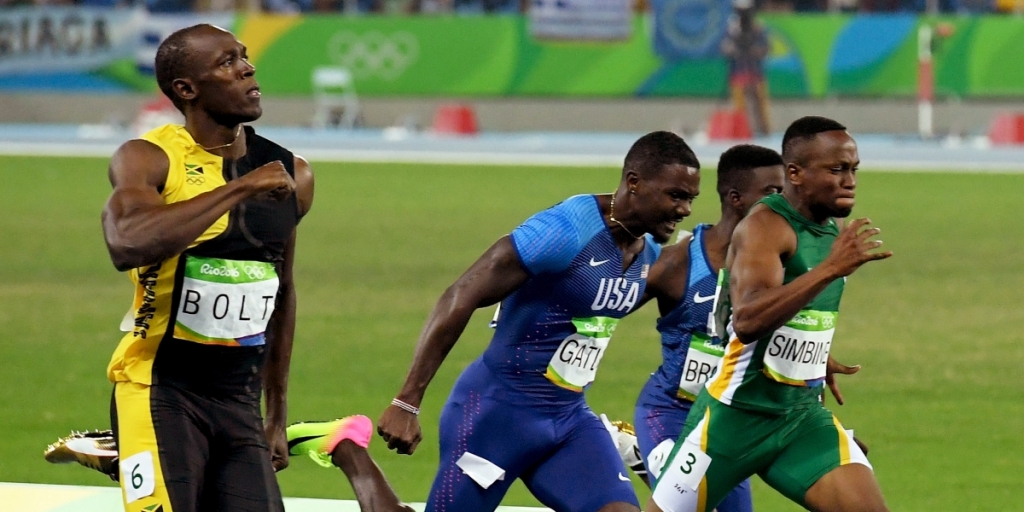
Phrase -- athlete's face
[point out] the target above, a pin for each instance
(763, 181)
(224, 81)
(665, 199)
(827, 173)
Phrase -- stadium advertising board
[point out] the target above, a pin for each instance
(63, 39)
(811, 55)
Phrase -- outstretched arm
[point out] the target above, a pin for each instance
(490, 279)
(141, 229)
(281, 332)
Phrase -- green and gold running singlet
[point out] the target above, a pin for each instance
(786, 367)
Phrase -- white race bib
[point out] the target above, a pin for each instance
(797, 353)
(574, 365)
(138, 477)
(677, 487)
(702, 360)
(225, 302)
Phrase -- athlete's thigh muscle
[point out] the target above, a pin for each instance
(655, 425)
(735, 442)
(487, 432)
(815, 446)
(162, 448)
(585, 473)
(240, 475)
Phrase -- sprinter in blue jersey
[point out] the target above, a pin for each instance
(564, 278)
(684, 282)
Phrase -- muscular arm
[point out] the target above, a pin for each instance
(760, 302)
(281, 331)
(139, 228)
(490, 279)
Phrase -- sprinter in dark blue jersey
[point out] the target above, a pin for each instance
(564, 278)
(684, 283)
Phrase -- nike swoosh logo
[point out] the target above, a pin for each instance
(300, 440)
(596, 263)
(86, 447)
(624, 479)
(697, 299)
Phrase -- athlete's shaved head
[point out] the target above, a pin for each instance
(653, 152)
(175, 59)
(804, 130)
(736, 166)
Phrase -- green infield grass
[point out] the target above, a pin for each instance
(937, 328)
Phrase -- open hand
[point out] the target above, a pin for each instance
(853, 248)
(831, 369)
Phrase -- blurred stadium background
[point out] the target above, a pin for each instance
(435, 126)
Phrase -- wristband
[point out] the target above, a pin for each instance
(405, 407)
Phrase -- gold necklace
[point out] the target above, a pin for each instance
(238, 132)
(611, 217)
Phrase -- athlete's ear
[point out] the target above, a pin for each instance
(632, 180)
(184, 88)
(735, 200)
(794, 173)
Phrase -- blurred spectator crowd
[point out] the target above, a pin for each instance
(520, 6)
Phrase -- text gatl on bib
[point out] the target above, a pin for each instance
(574, 365)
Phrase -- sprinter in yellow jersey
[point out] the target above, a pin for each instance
(203, 217)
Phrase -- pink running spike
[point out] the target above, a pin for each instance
(356, 428)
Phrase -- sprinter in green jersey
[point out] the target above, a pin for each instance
(777, 304)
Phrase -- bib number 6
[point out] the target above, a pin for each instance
(138, 476)
(137, 479)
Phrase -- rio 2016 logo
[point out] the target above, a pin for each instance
(374, 54)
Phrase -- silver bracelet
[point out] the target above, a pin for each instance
(405, 407)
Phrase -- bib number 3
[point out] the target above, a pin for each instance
(677, 487)
(137, 476)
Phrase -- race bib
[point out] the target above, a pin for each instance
(138, 477)
(797, 353)
(701, 364)
(677, 489)
(226, 302)
(574, 365)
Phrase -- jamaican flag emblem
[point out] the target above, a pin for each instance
(194, 174)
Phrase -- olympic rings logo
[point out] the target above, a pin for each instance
(195, 180)
(255, 272)
(373, 53)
